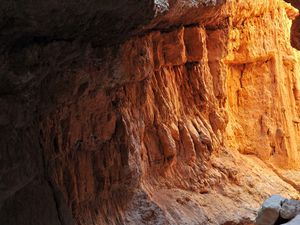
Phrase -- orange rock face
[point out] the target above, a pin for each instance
(195, 123)
(264, 78)
(191, 133)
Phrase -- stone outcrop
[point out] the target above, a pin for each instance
(184, 113)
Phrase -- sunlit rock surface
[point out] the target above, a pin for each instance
(187, 113)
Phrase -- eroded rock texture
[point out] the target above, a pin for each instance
(187, 113)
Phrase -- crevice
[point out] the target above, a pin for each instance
(59, 215)
(241, 75)
(286, 180)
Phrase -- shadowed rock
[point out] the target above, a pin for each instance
(295, 221)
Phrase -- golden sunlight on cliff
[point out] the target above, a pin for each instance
(209, 112)
(263, 87)
(193, 117)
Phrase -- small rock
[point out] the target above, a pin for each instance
(148, 215)
(289, 209)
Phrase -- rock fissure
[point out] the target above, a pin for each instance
(60, 217)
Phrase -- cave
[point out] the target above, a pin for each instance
(155, 112)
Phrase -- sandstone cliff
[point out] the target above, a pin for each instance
(187, 113)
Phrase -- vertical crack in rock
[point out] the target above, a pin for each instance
(56, 204)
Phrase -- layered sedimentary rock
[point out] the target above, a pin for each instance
(190, 117)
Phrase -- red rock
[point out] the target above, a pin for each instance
(117, 115)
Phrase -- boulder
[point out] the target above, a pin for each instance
(289, 209)
(270, 210)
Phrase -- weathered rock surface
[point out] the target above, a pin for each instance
(180, 113)
(289, 209)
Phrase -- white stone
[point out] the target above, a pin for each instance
(289, 209)
(269, 212)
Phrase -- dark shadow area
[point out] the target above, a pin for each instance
(281, 221)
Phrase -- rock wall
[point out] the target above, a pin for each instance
(186, 122)
(263, 87)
